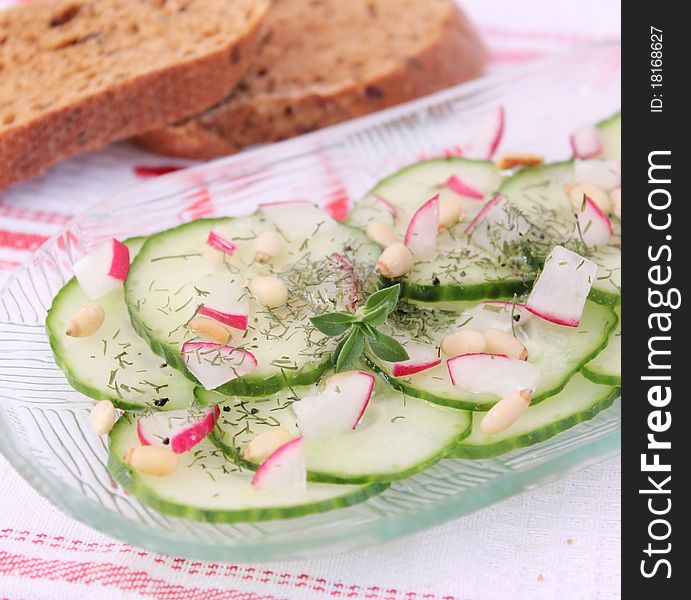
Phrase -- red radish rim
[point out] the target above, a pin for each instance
(191, 346)
(408, 233)
(369, 397)
(120, 262)
(175, 445)
(259, 473)
(400, 370)
(457, 185)
(469, 354)
(553, 318)
(387, 204)
(234, 321)
(499, 132)
(485, 209)
(599, 212)
(218, 242)
(348, 267)
(589, 154)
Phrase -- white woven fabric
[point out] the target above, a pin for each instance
(558, 542)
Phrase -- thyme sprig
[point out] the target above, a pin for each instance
(359, 329)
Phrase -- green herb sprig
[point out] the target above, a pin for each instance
(359, 329)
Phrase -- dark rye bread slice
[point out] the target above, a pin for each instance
(79, 74)
(324, 61)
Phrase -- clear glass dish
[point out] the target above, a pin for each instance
(43, 423)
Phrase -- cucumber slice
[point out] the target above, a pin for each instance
(115, 363)
(579, 401)
(559, 352)
(397, 437)
(538, 192)
(206, 487)
(606, 367)
(162, 294)
(611, 137)
(460, 271)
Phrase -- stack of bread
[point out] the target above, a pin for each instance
(205, 78)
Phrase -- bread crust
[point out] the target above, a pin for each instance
(121, 108)
(455, 55)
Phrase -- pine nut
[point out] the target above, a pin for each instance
(575, 191)
(450, 211)
(267, 246)
(152, 460)
(502, 342)
(381, 234)
(519, 159)
(102, 417)
(505, 412)
(463, 341)
(395, 261)
(615, 197)
(86, 321)
(209, 329)
(269, 290)
(265, 443)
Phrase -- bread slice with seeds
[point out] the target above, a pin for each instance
(79, 74)
(324, 61)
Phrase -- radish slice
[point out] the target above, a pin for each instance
(586, 141)
(348, 281)
(218, 242)
(225, 302)
(460, 187)
(496, 224)
(386, 204)
(178, 430)
(594, 225)
(103, 269)
(421, 358)
(337, 409)
(560, 291)
(421, 235)
(214, 364)
(496, 315)
(284, 471)
(486, 135)
(492, 374)
(297, 221)
(605, 174)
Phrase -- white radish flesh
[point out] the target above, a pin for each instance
(560, 292)
(594, 227)
(486, 135)
(492, 374)
(605, 174)
(177, 430)
(284, 471)
(586, 141)
(103, 269)
(421, 358)
(225, 302)
(214, 364)
(495, 224)
(338, 408)
(421, 235)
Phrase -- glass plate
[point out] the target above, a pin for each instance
(43, 423)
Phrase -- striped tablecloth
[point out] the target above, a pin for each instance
(561, 541)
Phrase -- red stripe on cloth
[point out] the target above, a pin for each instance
(514, 55)
(9, 265)
(40, 216)
(20, 241)
(564, 37)
(243, 572)
(111, 575)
